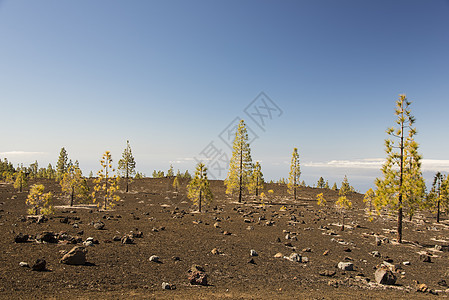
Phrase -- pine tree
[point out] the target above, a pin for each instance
(395, 189)
(72, 182)
(127, 164)
(439, 194)
(51, 173)
(320, 184)
(21, 180)
(39, 201)
(62, 164)
(326, 186)
(176, 185)
(240, 165)
(106, 184)
(257, 182)
(343, 203)
(34, 167)
(91, 174)
(295, 172)
(320, 199)
(334, 187)
(170, 172)
(199, 188)
(368, 200)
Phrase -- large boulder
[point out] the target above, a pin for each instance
(384, 276)
(76, 256)
(47, 237)
(197, 275)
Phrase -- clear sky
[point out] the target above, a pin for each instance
(171, 76)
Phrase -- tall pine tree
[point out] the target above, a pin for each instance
(295, 172)
(199, 188)
(402, 168)
(127, 164)
(240, 166)
(257, 182)
(62, 164)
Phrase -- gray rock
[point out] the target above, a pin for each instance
(375, 254)
(168, 286)
(127, 239)
(406, 263)
(378, 241)
(253, 253)
(295, 257)
(154, 258)
(346, 266)
(384, 276)
(99, 225)
(76, 256)
(40, 265)
(24, 264)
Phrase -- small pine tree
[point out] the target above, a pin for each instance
(127, 164)
(320, 184)
(170, 172)
(343, 203)
(139, 175)
(91, 174)
(295, 172)
(368, 200)
(334, 187)
(320, 200)
(199, 188)
(240, 165)
(257, 182)
(106, 185)
(176, 185)
(40, 202)
(326, 186)
(72, 182)
(62, 164)
(438, 196)
(21, 180)
(187, 175)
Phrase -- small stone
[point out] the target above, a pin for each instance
(168, 286)
(99, 225)
(40, 265)
(217, 225)
(252, 261)
(76, 256)
(378, 241)
(250, 228)
(127, 239)
(75, 225)
(347, 250)
(215, 251)
(346, 266)
(325, 253)
(425, 258)
(24, 264)
(307, 250)
(117, 238)
(422, 288)
(442, 282)
(21, 238)
(154, 258)
(253, 253)
(327, 273)
(406, 263)
(384, 276)
(375, 254)
(295, 257)
(278, 255)
(226, 232)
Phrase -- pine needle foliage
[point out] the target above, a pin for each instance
(240, 165)
(62, 164)
(106, 184)
(295, 173)
(74, 185)
(127, 164)
(343, 203)
(257, 182)
(320, 199)
(21, 181)
(40, 202)
(438, 196)
(402, 184)
(198, 189)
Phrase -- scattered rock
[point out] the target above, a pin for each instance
(295, 257)
(346, 266)
(375, 254)
(325, 253)
(21, 238)
(40, 265)
(197, 275)
(442, 282)
(226, 232)
(116, 238)
(154, 258)
(327, 273)
(217, 225)
(168, 286)
(384, 276)
(425, 258)
(215, 251)
(307, 250)
(253, 253)
(406, 263)
(378, 241)
(278, 255)
(99, 225)
(24, 264)
(127, 239)
(252, 261)
(76, 256)
(46, 237)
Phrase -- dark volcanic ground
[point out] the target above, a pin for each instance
(172, 228)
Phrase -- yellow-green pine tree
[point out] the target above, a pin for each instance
(343, 203)
(72, 182)
(199, 188)
(395, 187)
(106, 184)
(21, 180)
(257, 182)
(127, 164)
(295, 173)
(439, 194)
(62, 164)
(320, 199)
(368, 199)
(39, 201)
(320, 184)
(240, 165)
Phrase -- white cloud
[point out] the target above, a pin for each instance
(20, 153)
(433, 165)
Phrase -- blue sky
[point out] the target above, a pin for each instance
(170, 76)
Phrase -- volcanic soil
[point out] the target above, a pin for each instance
(181, 237)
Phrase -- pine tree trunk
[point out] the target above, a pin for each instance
(127, 183)
(401, 178)
(71, 195)
(438, 210)
(199, 203)
(241, 174)
(342, 222)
